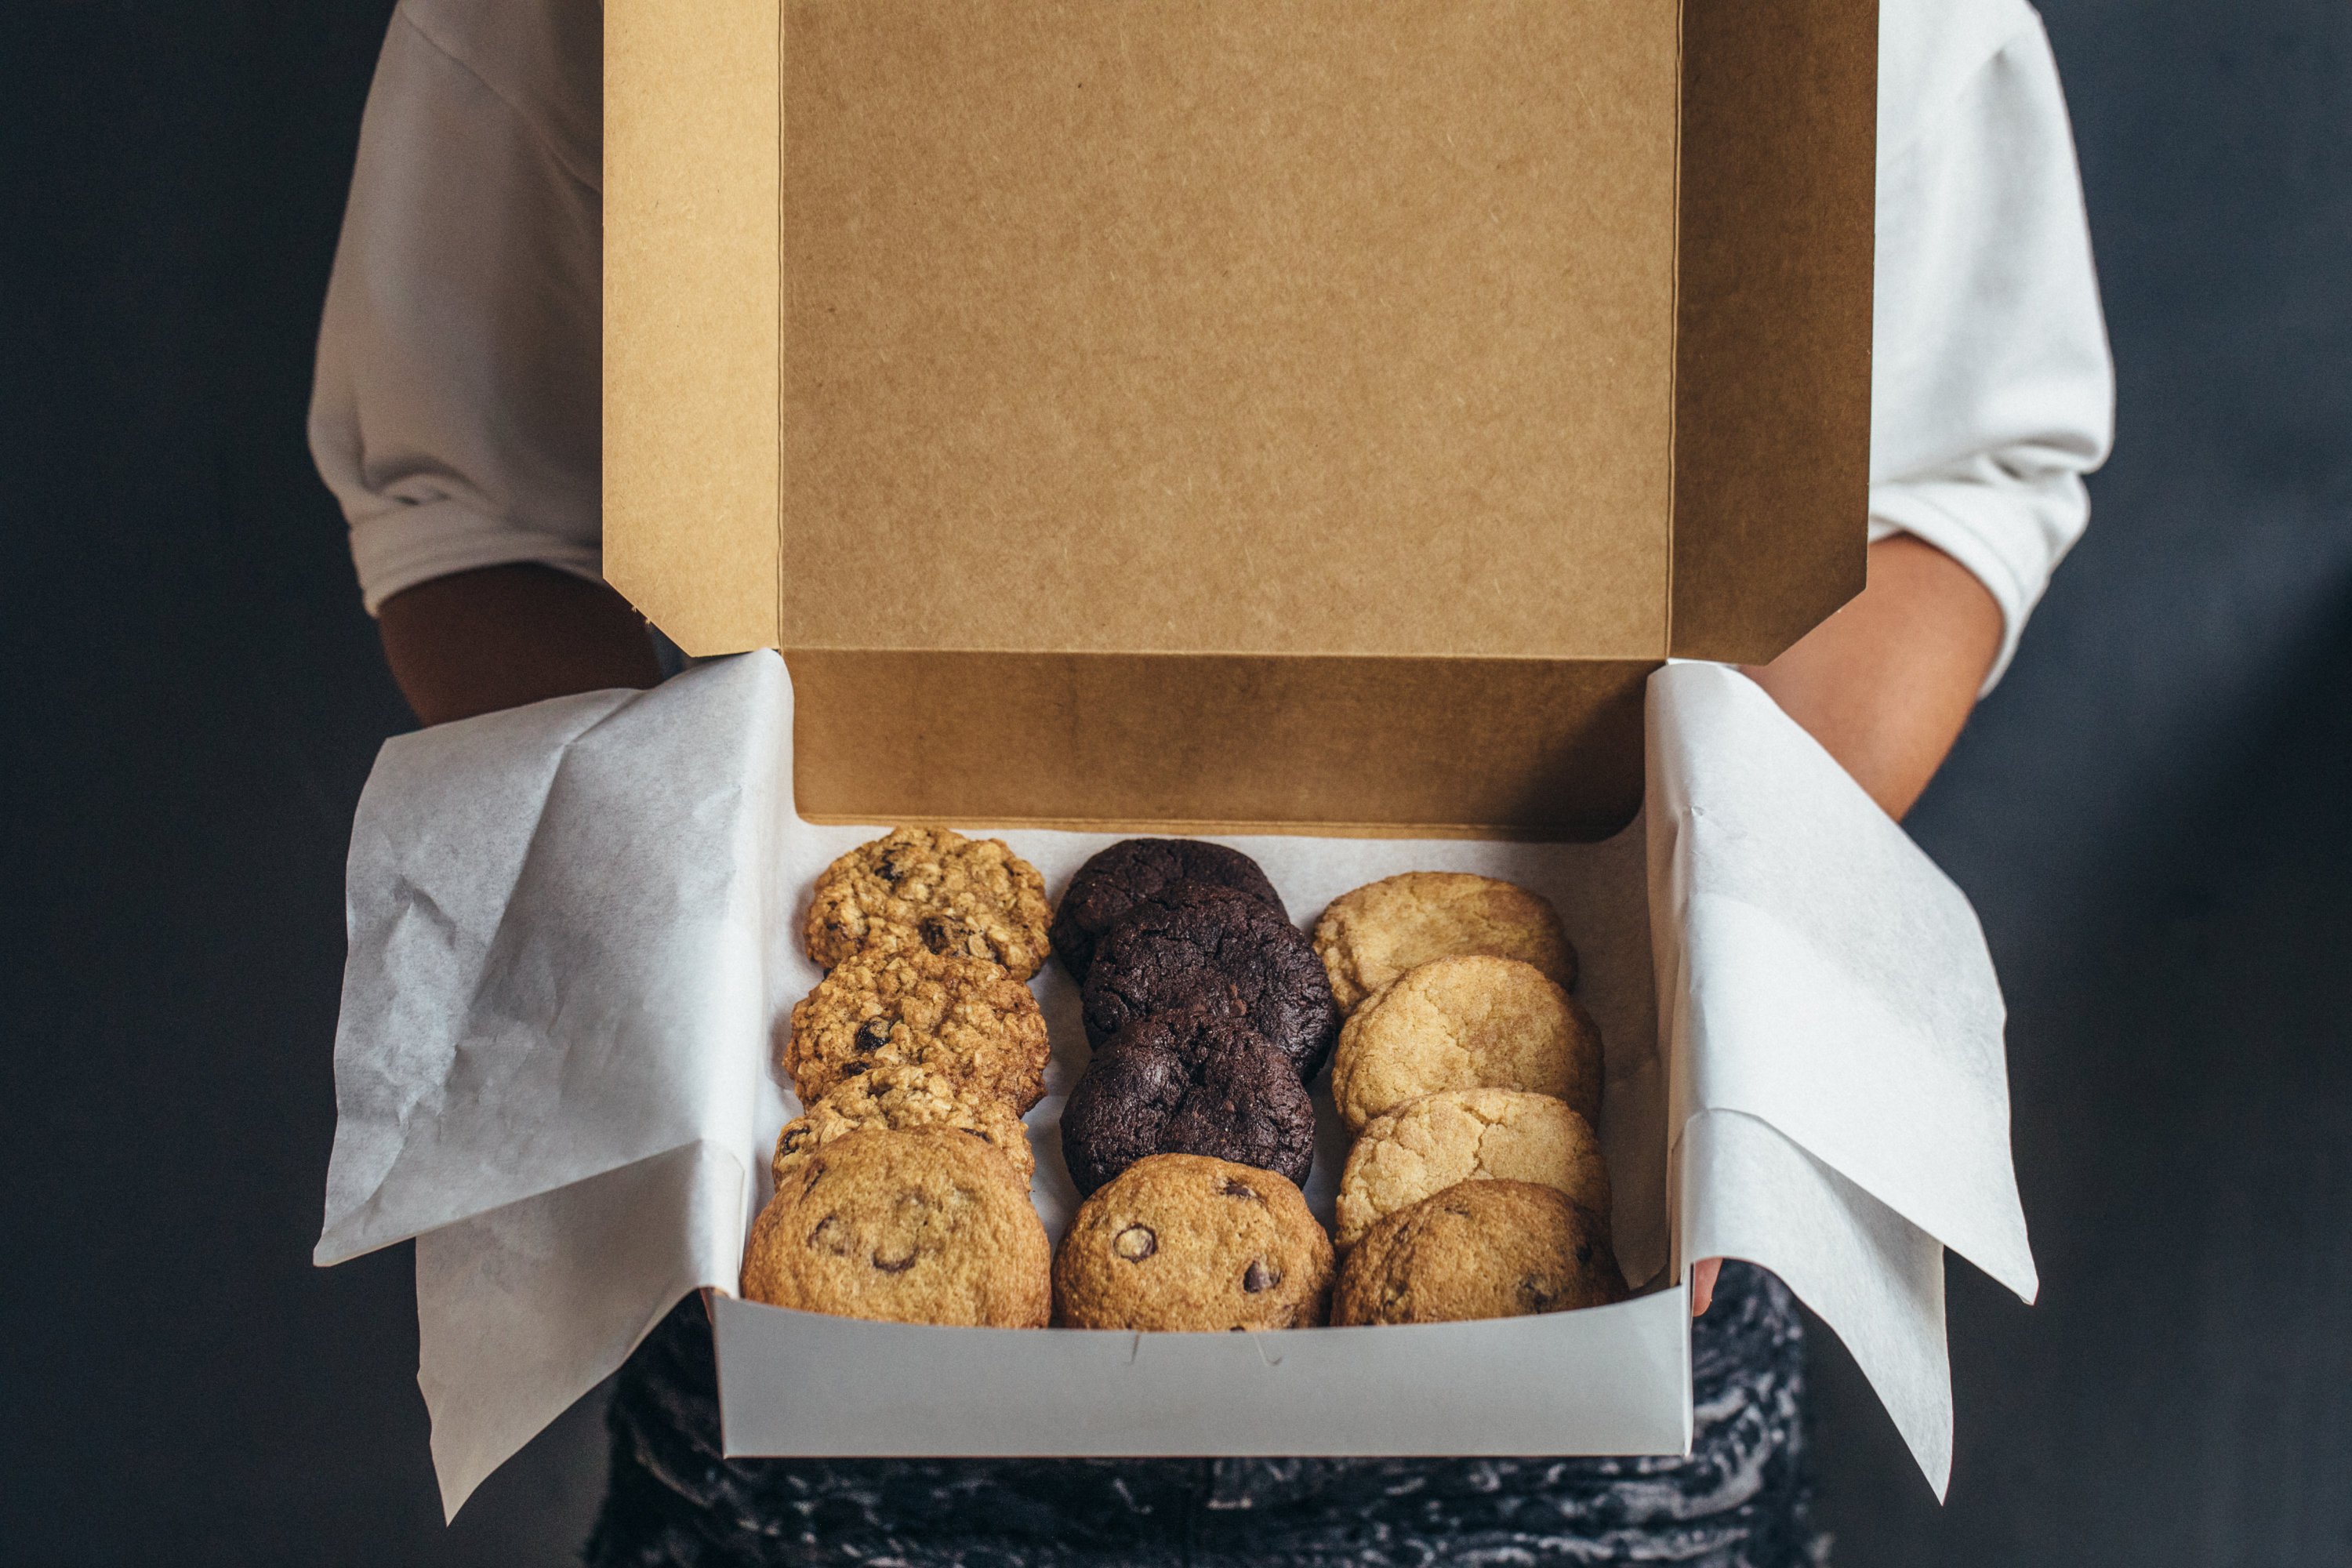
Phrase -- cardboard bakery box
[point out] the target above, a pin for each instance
(1311, 415)
(1301, 418)
(1607, 1380)
(574, 936)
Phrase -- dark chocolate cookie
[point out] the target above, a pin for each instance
(1197, 945)
(1190, 1082)
(1134, 872)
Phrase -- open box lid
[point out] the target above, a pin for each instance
(1307, 415)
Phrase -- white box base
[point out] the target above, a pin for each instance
(1606, 1380)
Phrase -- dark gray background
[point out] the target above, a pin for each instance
(2151, 814)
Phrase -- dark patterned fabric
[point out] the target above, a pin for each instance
(1738, 1502)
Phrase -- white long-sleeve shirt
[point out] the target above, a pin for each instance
(455, 410)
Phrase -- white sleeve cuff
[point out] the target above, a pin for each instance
(1993, 392)
(455, 410)
(398, 549)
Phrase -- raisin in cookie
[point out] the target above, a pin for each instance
(921, 1227)
(1197, 945)
(964, 1017)
(1191, 1082)
(1181, 1242)
(1426, 1145)
(1134, 872)
(1369, 937)
(1466, 1022)
(1480, 1249)
(932, 889)
(902, 1096)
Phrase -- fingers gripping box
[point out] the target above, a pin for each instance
(1314, 424)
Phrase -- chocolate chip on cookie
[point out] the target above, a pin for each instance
(1181, 1242)
(1134, 872)
(1188, 1083)
(1197, 945)
(1466, 1022)
(928, 1226)
(1374, 934)
(1426, 1145)
(1479, 1249)
(903, 1095)
(934, 889)
(964, 1017)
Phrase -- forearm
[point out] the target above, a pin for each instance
(1886, 684)
(478, 641)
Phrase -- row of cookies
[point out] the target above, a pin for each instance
(1192, 1130)
(1206, 1008)
(902, 1190)
(1476, 1187)
(925, 1015)
(926, 1224)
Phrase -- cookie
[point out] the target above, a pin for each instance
(964, 1017)
(1466, 1022)
(1426, 1145)
(1197, 945)
(1182, 1242)
(932, 888)
(902, 1096)
(1479, 1249)
(928, 1226)
(1134, 872)
(1372, 936)
(1191, 1082)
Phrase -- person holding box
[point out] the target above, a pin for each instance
(455, 418)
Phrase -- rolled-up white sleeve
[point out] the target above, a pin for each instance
(455, 409)
(1993, 390)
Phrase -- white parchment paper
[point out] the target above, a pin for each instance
(572, 936)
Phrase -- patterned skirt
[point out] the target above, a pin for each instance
(1738, 1502)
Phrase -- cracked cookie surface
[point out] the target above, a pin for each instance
(927, 1226)
(1190, 1082)
(1466, 1022)
(1479, 1249)
(1134, 872)
(1426, 1145)
(1197, 945)
(964, 1017)
(902, 1096)
(1181, 1242)
(1369, 937)
(934, 889)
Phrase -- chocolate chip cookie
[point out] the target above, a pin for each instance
(964, 1017)
(1372, 936)
(928, 1226)
(1134, 872)
(1182, 1242)
(1190, 1082)
(1466, 1022)
(1197, 944)
(903, 1095)
(934, 889)
(1426, 1145)
(1479, 1249)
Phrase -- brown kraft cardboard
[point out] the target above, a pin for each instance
(1310, 414)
